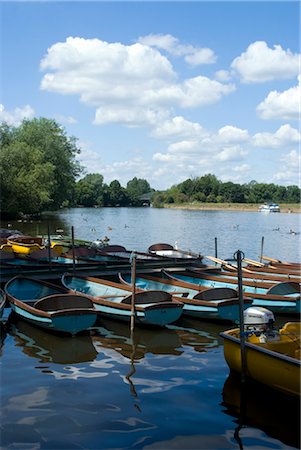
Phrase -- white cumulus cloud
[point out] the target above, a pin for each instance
(130, 84)
(16, 116)
(193, 55)
(283, 137)
(260, 63)
(281, 105)
(178, 127)
(231, 134)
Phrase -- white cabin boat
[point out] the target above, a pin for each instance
(272, 207)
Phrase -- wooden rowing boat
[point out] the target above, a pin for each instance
(281, 298)
(200, 303)
(112, 299)
(170, 252)
(49, 306)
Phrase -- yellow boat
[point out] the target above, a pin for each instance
(24, 245)
(271, 357)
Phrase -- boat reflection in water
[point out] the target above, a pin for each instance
(49, 347)
(258, 406)
(169, 340)
(117, 336)
(2, 336)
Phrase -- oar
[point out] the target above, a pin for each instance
(254, 263)
(221, 262)
(271, 259)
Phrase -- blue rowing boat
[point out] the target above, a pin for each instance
(49, 306)
(281, 298)
(220, 304)
(152, 307)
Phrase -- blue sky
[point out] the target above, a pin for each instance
(163, 91)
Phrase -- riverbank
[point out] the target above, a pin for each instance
(284, 208)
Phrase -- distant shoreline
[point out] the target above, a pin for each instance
(247, 207)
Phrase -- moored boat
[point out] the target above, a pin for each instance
(152, 307)
(271, 357)
(168, 251)
(269, 208)
(201, 303)
(49, 306)
(24, 245)
(281, 297)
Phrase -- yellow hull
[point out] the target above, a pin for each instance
(25, 249)
(267, 363)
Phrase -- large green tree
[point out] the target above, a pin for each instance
(90, 190)
(117, 195)
(38, 166)
(135, 188)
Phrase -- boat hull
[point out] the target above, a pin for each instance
(107, 298)
(49, 306)
(266, 366)
(25, 249)
(220, 309)
(71, 323)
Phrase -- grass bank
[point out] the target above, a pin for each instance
(284, 207)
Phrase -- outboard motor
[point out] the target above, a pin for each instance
(259, 325)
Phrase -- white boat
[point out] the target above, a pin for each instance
(272, 207)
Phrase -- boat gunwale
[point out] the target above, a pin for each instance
(281, 298)
(256, 347)
(102, 300)
(191, 301)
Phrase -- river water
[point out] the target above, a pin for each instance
(159, 389)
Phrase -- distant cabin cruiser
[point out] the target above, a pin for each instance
(272, 207)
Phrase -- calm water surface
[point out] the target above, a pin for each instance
(158, 389)
(138, 228)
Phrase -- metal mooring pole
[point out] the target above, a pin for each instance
(49, 246)
(215, 247)
(133, 275)
(261, 250)
(239, 256)
(73, 252)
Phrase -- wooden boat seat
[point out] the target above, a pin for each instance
(161, 246)
(286, 288)
(59, 302)
(111, 248)
(148, 297)
(216, 294)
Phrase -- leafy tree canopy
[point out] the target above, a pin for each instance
(38, 166)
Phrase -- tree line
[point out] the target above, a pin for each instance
(211, 190)
(39, 172)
